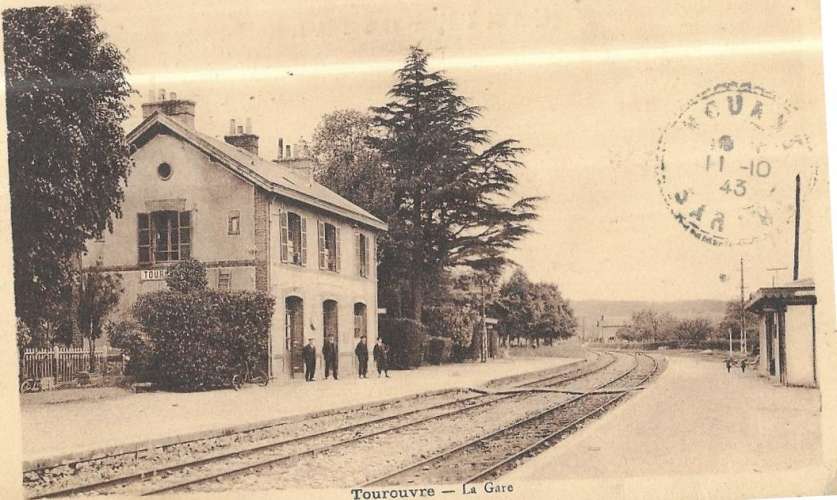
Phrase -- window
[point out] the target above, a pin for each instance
(293, 239)
(362, 243)
(329, 238)
(234, 222)
(224, 280)
(164, 171)
(164, 236)
(360, 319)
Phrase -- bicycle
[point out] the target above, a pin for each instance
(249, 376)
(30, 385)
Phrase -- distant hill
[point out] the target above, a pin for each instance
(617, 312)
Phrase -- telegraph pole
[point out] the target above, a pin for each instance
(796, 232)
(743, 329)
(483, 343)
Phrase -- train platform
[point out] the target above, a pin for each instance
(60, 427)
(696, 432)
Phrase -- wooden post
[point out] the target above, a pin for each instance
(796, 232)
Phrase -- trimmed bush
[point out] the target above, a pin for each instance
(187, 276)
(456, 323)
(128, 337)
(438, 350)
(199, 339)
(405, 338)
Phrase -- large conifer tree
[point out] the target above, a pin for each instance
(450, 185)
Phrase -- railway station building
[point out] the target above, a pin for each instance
(256, 224)
(787, 332)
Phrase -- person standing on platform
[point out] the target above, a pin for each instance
(381, 355)
(309, 358)
(362, 353)
(330, 356)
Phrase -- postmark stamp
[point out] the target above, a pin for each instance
(727, 164)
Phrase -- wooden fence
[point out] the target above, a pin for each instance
(63, 365)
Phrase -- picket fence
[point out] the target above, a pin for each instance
(63, 365)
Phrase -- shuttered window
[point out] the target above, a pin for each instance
(328, 237)
(362, 253)
(224, 280)
(293, 239)
(164, 236)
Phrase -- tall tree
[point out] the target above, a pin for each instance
(449, 183)
(515, 308)
(66, 98)
(347, 164)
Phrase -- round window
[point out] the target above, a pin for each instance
(164, 171)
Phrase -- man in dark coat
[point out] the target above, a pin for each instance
(362, 353)
(330, 356)
(309, 358)
(381, 355)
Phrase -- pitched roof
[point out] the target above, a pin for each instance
(268, 175)
(800, 291)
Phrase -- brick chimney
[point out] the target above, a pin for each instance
(182, 110)
(297, 159)
(244, 139)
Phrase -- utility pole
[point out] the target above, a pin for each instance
(743, 329)
(796, 232)
(484, 343)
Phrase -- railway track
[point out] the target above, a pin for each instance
(489, 456)
(299, 445)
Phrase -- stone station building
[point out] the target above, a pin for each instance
(256, 224)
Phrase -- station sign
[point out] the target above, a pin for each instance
(154, 274)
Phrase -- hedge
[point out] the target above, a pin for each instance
(406, 339)
(456, 323)
(438, 350)
(127, 336)
(199, 339)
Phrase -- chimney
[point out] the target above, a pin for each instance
(182, 110)
(281, 149)
(296, 160)
(240, 138)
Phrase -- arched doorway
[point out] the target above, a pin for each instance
(330, 321)
(294, 333)
(360, 320)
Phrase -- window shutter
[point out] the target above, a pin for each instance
(143, 238)
(322, 245)
(359, 254)
(283, 236)
(365, 255)
(337, 249)
(303, 245)
(184, 235)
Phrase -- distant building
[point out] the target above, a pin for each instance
(787, 332)
(256, 224)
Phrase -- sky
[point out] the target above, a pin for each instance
(587, 86)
